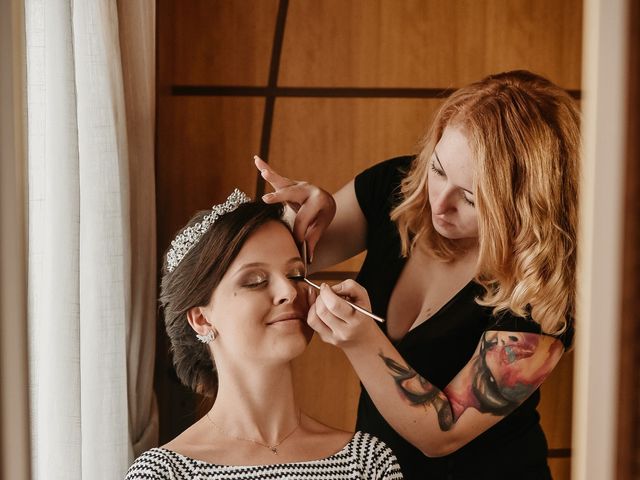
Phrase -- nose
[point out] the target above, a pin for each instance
(285, 291)
(443, 202)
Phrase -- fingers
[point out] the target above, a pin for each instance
(356, 293)
(312, 294)
(331, 328)
(321, 328)
(270, 175)
(312, 237)
(314, 207)
(332, 306)
(306, 216)
(259, 163)
(313, 218)
(337, 322)
(316, 229)
(296, 192)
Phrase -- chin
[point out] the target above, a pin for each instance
(445, 232)
(452, 233)
(293, 343)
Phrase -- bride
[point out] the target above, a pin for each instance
(235, 311)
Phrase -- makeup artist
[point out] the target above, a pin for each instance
(471, 258)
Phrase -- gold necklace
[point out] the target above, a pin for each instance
(273, 448)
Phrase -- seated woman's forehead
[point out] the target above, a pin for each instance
(269, 243)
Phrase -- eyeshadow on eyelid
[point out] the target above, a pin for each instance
(252, 278)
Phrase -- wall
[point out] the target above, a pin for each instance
(628, 436)
(322, 89)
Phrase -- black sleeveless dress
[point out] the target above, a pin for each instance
(438, 349)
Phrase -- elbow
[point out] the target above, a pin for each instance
(439, 448)
(435, 452)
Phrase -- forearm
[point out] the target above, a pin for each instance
(346, 235)
(505, 369)
(421, 415)
(334, 247)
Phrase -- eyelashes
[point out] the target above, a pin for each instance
(254, 285)
(264, 281)
(440, 173)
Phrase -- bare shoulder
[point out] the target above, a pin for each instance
(199, 443)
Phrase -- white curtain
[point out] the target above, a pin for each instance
(81, 315)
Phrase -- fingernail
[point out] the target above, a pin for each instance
(337, 288)
(267, 196)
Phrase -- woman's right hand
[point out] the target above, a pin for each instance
(314, 207)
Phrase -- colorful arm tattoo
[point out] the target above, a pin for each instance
(419, 391)
(506, 368)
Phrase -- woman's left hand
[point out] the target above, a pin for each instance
(337, 322)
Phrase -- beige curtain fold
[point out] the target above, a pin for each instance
(14, 394)
(137, 22)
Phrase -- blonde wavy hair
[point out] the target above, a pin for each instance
(523, 132)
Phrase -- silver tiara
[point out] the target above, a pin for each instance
(186, 240)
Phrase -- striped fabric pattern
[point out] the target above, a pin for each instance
(364, 457)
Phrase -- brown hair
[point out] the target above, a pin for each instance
(192, 282)
(524, 134)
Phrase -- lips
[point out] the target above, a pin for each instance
(443, 222)
(285, 316)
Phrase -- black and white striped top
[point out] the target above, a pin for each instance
(364, 457)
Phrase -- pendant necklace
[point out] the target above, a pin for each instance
(273, 448)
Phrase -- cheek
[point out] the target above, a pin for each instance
(239, 309)
(302, 298)
(471, 222)
(432, 185)
(434, 190)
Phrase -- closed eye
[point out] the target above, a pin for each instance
(437, 171)
(467, 201)
(255, 284)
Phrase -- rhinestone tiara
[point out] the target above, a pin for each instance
(188, 238)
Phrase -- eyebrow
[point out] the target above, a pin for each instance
(262, 264)
(435, 154)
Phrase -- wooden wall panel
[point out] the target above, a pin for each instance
(556, 404)
(429, 43)
(327, 141)
(544, 36)
(222, 42)
(560, 468)
(205, 150)
(326, 385)
(205, 142)
(628, 434)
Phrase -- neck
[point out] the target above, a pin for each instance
(469, 245)
(256, 403)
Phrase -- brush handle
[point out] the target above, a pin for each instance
(357, 307)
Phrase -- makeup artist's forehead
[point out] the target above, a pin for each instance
(455, 157)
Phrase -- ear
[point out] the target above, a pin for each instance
(197, 318)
